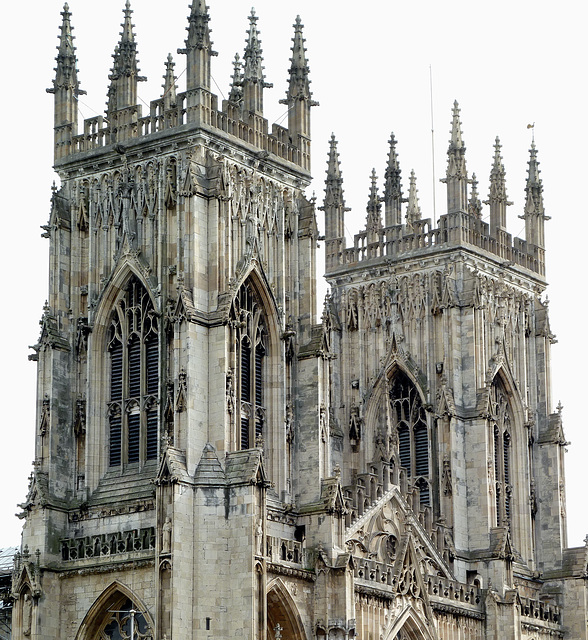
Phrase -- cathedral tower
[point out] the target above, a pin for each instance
(211, 459)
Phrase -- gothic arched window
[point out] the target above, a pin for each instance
(410, 421)
(500, 424)
(251, 349)
(133, 346)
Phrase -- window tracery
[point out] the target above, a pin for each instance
(250, 342)
(409, 420)
(133, 346)
(126, 622)
(501, 438)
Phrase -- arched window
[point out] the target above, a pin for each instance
(133, 347)
(500, 424)
(410, 421)
(251, 349)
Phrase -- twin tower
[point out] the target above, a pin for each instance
(212, 459)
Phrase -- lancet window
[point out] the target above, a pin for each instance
(133, 348)
(501, 438)
(250, 363)
(410, 422)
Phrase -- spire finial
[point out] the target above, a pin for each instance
(334, 181)
(534, 214)
(413, 211)
(299, 83)
(66, 70)
(334, 208)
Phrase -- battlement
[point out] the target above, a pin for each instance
(240, 116)
(455, 229)
(402, 231)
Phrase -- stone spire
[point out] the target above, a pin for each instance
(198, 48)
(456, 178)
(497, 197)
(334, 208)
(253, 77)
(475, 204)
(393, 188)
(236, 93)
(66, 88)
(374, 210)
(169, 84)
(413, 211)
(299, 97)
(534, 215)
(124, 74)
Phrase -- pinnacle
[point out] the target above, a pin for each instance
(413, 211)
(475, 205)
(299, 85)
(456, 135)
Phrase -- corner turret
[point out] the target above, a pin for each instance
(66, 88)
(456, 177)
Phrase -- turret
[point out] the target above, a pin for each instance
(299, 96)
(497, 197)
(413, 211)
(334, 208)
(374, 211)
(534, 215)
(393, 188)
(456, 178)
(65, 89)
(253, 77)
(124, 75)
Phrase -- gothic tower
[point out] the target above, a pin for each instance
(211, 460)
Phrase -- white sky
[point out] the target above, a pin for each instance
(507, 63)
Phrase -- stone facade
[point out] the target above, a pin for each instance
(211, 460)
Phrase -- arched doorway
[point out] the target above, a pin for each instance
(283, 620)
(117, 615)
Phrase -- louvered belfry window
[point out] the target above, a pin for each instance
(133, 348)
(250, 341)
(410, 421)
(500, 424)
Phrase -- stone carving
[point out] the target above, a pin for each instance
(166, 536)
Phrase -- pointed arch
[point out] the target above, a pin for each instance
(410, 626)
(282, 610)
(99, 616)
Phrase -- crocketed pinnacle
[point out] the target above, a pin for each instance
(125, 55)
(497, 176)
(334, 182)
(413, 211)
(299, 84)
(393, 187)
(198, 29)
(374, 206)
(475, 204)
(124, 74)
(456, 153)
(253, 57)
(169, 83)
(236, 93)
(534, 186)
(65, 71)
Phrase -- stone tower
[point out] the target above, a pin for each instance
(211, 460)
